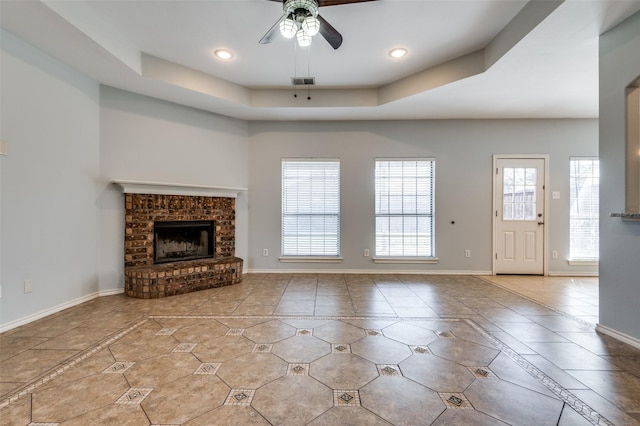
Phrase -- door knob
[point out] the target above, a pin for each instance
(540, 223)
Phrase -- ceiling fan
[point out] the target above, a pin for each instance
(301, 19)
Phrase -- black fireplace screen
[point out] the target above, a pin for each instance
(184, 240)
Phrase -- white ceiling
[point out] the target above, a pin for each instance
(467, 59)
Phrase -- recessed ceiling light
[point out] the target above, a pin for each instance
(223, 54)
(398, 52)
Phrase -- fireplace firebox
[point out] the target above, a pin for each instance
(182, 240)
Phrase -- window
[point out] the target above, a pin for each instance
(584, 210)
(519, 193)
(310, 208)
(404, 208)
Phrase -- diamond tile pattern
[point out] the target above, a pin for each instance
(214, 357)
(346, 398)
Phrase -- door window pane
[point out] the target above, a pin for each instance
(519, 193)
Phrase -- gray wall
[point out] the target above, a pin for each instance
(145, 139)
(463, 150)
(619, 241)
(61, 219)
(49, 117)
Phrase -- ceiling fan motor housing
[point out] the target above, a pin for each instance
(300, 9)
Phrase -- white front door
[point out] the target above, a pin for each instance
(519, 216)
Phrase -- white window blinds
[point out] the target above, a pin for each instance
(310, 208)
(584, 211)
(404, 208)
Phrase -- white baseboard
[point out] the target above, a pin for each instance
(365, 271)
(629, 340)
(50, 311)
(573, 274)
(111, 292)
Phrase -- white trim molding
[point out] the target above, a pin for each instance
(55, 309)
(629, 340)
(573, 274)
(366, 271)
(167, 188)
(583, 262)
(310, 259)
(409, 260)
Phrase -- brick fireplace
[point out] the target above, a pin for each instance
(147, 278)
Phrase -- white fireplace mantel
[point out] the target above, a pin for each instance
(165, 188)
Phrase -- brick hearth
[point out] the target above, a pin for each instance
(144, 279)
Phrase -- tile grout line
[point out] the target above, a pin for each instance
(563, 394)
(530, 299)
(59, 369)
(591, 415)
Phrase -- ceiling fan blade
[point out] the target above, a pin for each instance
(273, 32)
(323, 3)
(329, 33)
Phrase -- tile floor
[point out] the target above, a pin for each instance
(575, 296)
(327, 350)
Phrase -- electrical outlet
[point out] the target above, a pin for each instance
(554, 254)
(366, 252)
(28, 286)
(265, 252)
(467, 253)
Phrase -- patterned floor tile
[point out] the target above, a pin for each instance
(298, 370)
(482, 372)
(292, 400)
(340, 348)
(399, 400)
(455, 401)
(134, 396)
(420, 350)
(119, 367)
(242, 397)
(208, 368)
(346, 398)
(181, 400)
(262, 347)
(293, 364)
(389, 370)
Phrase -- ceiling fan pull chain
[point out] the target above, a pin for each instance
(295, 68)
(309, 72)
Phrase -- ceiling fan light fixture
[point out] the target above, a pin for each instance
(311, 25)
(288, 28)
(398, 52)
(304, 39)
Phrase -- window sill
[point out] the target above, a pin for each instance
(405, 260)
(583, 262)
(630, 217)
(310, 259)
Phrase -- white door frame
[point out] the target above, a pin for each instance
(545, 158)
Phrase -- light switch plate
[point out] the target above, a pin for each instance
(555, 195)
